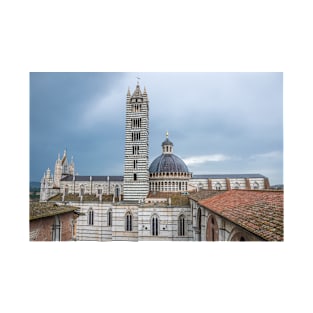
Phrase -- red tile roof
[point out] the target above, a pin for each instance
(258, 211)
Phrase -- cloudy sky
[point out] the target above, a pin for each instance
(219, 122)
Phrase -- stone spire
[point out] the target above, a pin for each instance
(145, 95)
(72, 167)
(137, 93)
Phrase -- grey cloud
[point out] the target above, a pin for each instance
(233, 114)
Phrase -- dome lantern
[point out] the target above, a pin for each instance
(167, 145)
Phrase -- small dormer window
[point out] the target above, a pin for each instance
(255, 185)
(218, 186)
(237, 185)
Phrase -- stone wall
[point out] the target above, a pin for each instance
(41, 229)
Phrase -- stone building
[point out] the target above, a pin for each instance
(238, 215)
(51, 222)
(146, 203)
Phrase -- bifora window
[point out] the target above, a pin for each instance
(218, 186)
(181, 226)
(155, 226)
(90, 216)
(129, 222)
(136, 107)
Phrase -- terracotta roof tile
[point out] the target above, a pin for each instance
(204, 194)
(45, 209)
(259, 211)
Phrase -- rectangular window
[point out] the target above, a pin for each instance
(110, 218)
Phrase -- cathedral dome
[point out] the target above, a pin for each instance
(168, 163)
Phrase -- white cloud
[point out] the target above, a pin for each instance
(268, 155)
(200, 159)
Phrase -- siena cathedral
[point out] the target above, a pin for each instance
(149, 202)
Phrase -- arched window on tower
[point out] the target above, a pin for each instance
(128, 221)
(155, 225)
(181, 225)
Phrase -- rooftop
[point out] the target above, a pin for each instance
(258, 211)
(177, 199)
(211, 176)
(92, 178)
(86, 198)
(204, 194)
(45, 209)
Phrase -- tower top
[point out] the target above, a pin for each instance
(167, 145)
(137, 93)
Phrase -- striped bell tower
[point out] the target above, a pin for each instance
(136, 165)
